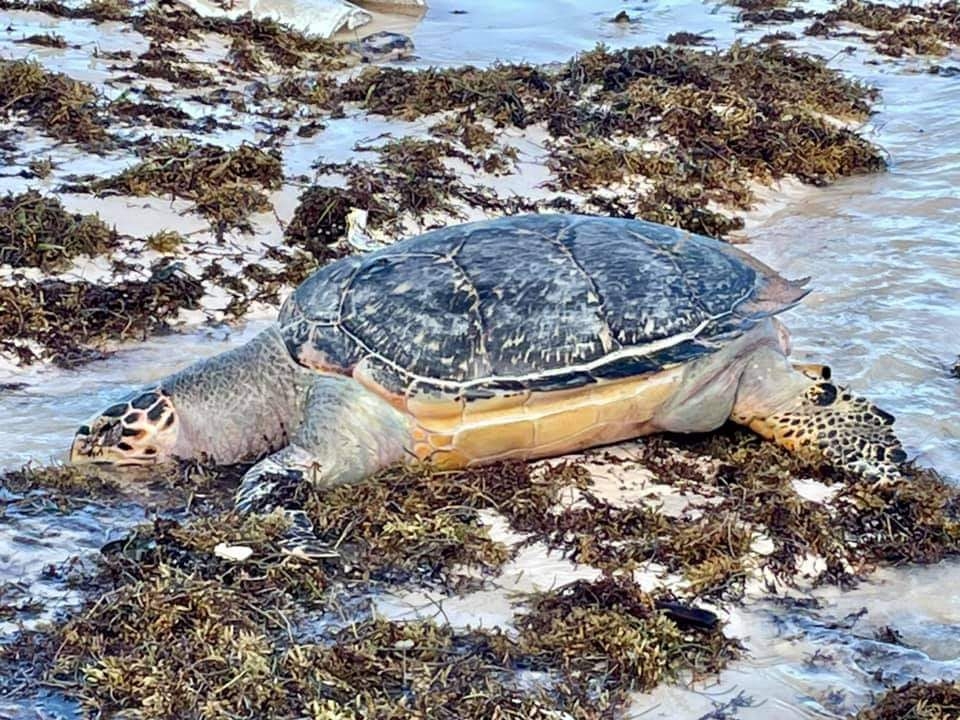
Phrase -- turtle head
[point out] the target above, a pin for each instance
(139, 430)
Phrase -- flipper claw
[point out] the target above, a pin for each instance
(301, 541)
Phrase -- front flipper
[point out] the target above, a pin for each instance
(346, 434)
(273, 481)
(271, 484)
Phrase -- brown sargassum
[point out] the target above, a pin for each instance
(276, 636)
(917, 700)
(171, 629)
(694, 130)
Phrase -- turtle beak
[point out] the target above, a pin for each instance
(81, 448)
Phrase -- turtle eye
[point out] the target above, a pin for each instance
(111, 434)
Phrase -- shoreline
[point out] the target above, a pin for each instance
(437, 149)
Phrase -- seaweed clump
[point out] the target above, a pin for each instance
(774, 14)
(509, 95)
(660, 133)
(759, 4)
(405, 499)
(688, 38)
(173, 485)
(755, 109)
(65, 108)
(181, 629)
(69, 322)
(168, 637)
(169, 23)
(51, 40)
(175, 646)
(416, 523)
(406, 524)
(420, 669)
(220, 181)
(177, 74)
(480, 147)
(97, 10)
(35, 231)
(411, 176)
(179, 646)
(176, 627)
(862, 525)
(927, 29)
(916, 700)
(709, 548)
(610, 630)
(286, 47)
(256, 282)
(167, 63)
(410, 179)
(320, 222)
(741, 489)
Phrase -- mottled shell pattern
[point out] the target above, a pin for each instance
(528, 303)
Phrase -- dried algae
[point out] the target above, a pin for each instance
(221, 182)
(917, 700)
(35, 231)
(897, 30)
(70, 321)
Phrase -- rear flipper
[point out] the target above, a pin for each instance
(847, 431)
(816, 419)
(347, 433)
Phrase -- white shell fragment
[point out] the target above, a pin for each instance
(237, 553)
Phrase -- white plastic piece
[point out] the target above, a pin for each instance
(322, 18)
(357, 237)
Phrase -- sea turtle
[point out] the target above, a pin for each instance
(515, 338)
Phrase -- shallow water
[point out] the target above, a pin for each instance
(884, 255)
